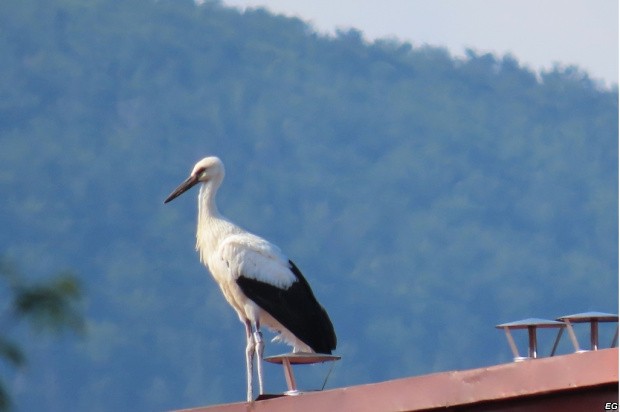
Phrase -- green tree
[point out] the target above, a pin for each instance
(48, 305)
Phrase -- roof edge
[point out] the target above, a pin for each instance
(445, 389)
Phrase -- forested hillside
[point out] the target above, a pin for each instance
(425, 198)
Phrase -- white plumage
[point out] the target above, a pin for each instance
(263, 286)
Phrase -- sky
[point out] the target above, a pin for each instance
(538, 33)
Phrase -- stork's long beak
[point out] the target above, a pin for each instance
(184, 187)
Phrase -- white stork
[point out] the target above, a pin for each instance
(263, 286)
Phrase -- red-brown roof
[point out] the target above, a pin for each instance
(575, 382)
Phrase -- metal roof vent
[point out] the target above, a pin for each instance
(299, 358)
(531, 325)
(593, 318)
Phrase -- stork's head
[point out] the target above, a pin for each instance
(208, 169)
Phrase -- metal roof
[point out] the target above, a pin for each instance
(525, 323)
(571, 383)
(591, 316)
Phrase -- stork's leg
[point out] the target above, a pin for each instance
(260, 349)
(249, 358)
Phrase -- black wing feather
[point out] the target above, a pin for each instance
(295, 308)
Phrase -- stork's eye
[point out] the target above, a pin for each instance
(200, 171)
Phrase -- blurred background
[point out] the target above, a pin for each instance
(427, 195)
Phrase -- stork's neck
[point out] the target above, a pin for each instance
(207, 208)
(212, 226)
